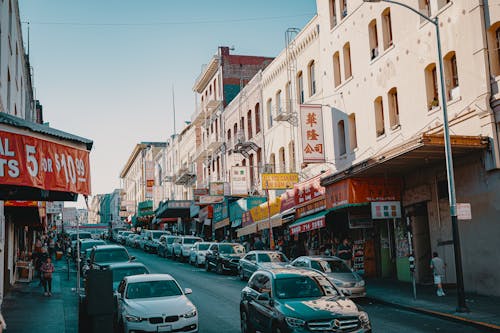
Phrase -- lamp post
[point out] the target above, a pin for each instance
(461, 307)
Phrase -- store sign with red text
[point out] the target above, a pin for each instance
(33, 162)
(313, 224)
(313, 142)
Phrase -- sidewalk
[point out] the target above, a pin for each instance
(26, 310)
(484, 310)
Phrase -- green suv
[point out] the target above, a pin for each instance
(288, 300)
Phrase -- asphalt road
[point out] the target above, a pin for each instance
(217, 298)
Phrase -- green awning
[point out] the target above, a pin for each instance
(348, 205)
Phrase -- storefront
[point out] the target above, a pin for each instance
(145, 215)
(179, 212)
(238, 208)
(221, 224)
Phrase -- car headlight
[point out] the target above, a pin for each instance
(295, 322)
(132, 318)
(363, 318)
(189, 314)
(360, 283)
(338, 283)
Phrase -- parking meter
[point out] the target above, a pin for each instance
(411, 260)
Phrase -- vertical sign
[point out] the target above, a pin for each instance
(150, 179)
(311, 122)
(239, 180)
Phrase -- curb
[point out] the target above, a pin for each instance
(442, 315)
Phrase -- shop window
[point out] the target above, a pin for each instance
(451, 75)
(431, 86)
(392, 97)
(269, 108)
(312, 78)
(379, 116)
(373, 39)
(387, 28)
(347, 61)
(300, 88)
(249, 124)
(343, 8)
(257, 118)
(333, 13)
(282, 161)
(353, 139)
(291, 153)
(341, 138)
(336, 69)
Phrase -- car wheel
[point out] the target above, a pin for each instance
(246, 327)
(241, 274)
(207, 266)
(219, 270)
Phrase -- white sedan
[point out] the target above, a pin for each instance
(154, 303)
(198, 253)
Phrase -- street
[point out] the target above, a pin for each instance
(217, 298)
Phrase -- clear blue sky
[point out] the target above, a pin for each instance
(105, 69)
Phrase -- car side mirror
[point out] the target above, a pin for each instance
(132, 258)
(264, 297)
(188, 291)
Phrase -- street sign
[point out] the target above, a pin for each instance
(279, 181)
(464, 211)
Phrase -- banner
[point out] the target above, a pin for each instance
(279, 181)
(219, 188)
(311, 122)
(150, 179)
(240, 180)
(33, 162)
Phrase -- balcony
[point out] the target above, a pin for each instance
(214, 142)
(199, 117)
(185, 176)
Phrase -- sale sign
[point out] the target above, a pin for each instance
(33, 162)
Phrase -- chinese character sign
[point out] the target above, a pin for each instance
(311, 122)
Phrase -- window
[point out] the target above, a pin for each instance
(343, 8)
(353, 139)
(494, 46)
(431, 86)
(347, 61)
(229, 135)
(288, 93)
(425, 8)
(336, 69)
(272, 162)
(451, 75)
(392, 97)
(269, 108)
(259, 159)
(282, 161)
(379, 116)
(252, 171)
(373, 38)
(215, 89)
(235, 132)
(341, 138)
(9, 84)
(257, 118)
(291, 155)
(312, 78)
(333, 14)
(278, 102)
(387, 28)
(300, 88)
(242, 129)
(249, 124)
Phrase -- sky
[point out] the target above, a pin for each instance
(105, 70)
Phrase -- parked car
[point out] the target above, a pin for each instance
(104, 255)
(152, 240)
(182, 246)
(122, 237)
(135, 241)
(165, 246)
(349, 282)
(115, 232)
(224, 257)
(255, 260)
(297, 300)
(198, 253)
(86, 244)
(123, 269)
(129, 240)
(74, 236)
(154, 303)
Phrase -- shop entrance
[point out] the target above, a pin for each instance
(421, 241)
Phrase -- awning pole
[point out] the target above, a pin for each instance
(271, 236)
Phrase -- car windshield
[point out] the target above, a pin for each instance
(150, 289)
(85, 235)
(170, 240)
(231, 248)
(330, 266)
(203, 247)
(111, 256)
(120, 273)
(304, 287)
(157, 235)
(272, 257)
(87, 245)
(190, 240)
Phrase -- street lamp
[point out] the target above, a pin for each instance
(462, 307)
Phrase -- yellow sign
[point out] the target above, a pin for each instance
(261, 212)
(279, 181)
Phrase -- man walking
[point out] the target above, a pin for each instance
(437, 266)
(344, 252)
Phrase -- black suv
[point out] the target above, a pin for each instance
(224, 257)
(102, 256)
(289, 300)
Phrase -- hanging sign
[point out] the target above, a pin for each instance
(240, 180)
(311, 120)
(386, 210)
(34, 162)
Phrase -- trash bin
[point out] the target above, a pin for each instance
(59, 255)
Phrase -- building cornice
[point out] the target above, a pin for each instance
(206, 75)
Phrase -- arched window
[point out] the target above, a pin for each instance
(312, 78)
(451, 75)
(257, 118)
(235, 132)
(333, 13)
(431, 86)
(278, 102)
(282, 160)
(269, 107)
(353, 138)
(392, 98)
(494, 48)
(341, 138)
(300, 88)
(379, 116)
(272, 162)
(337, 80)
(387, 28)
(249, 124)
(373, 37)
(347, 61)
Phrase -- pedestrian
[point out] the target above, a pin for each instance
(47, 270)
(40, 260)
(258, 244)
(3, 325)
(52, 247)
(344, 252)
(437, 266)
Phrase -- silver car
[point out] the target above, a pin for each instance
(198, 253)
(349, 282)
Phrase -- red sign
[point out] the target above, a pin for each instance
(313, 224)
(310, 208)
(33, 162)
(20, 203)
(309, 190)
(287, 200)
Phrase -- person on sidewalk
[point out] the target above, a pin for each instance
(3, 325)
(437, 266)
(47, 270)
(344, 252)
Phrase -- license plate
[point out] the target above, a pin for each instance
(164, 328)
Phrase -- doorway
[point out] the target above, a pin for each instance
(421, 241)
